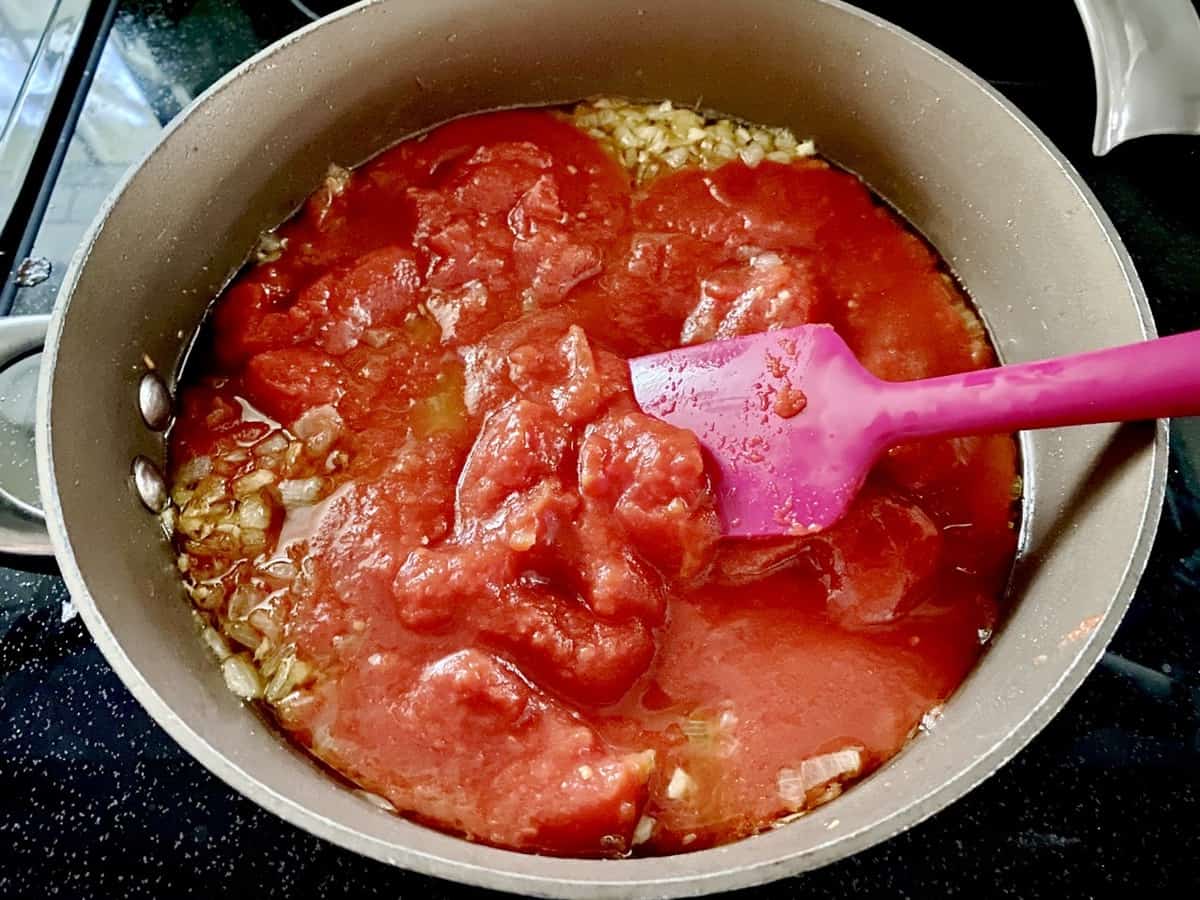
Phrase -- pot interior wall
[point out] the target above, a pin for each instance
(955, 161)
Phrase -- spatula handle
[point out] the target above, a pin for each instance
(1149, 380)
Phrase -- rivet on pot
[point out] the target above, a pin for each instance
(154, 401)
(150, 485)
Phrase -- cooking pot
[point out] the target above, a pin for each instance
(1016, 223)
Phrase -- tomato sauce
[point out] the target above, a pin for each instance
(516, 616)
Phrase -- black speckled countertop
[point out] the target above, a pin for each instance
(96, 801)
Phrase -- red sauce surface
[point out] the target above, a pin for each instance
(515, 588)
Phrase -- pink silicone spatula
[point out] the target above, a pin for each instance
(793, 423)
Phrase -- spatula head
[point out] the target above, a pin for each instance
(786, 417)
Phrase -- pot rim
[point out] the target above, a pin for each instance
(510, 871)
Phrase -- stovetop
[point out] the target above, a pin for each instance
(96, 801)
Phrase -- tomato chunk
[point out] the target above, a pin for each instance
(651, 475)
(285, 383)
(483, 754)
(878, 557)
(415, 492)
(768, 290)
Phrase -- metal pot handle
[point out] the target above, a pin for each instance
(22, 525)
(1146, 55)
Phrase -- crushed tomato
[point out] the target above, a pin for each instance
(522, 622)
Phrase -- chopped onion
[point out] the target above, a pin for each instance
(270, 247)
(290, 673)
(318, 428)
(213, 640)
(767, 260)
(377, 337)
(752, 154)
(263, 620)
(254, 512)
(335, 182)
(790, 787)
(242, 632)
(301, 491)
(711, 732)
(269, 661)
(193, 470)
(789, 818)
(190, 525)
(815, 772)
(245, 600)
(376, 801)
(522, 539)
(831, 791)
(643, 831)
(207, 596)
(653, 138)
(272, 445)
(209, 491)
(680, 785)
(644, 763)
(698, 730)
(252, 482)
(336, 460)
(265, 646)
(241, 678)
(828, 766)
(677, 157)
(336, 179)
(283, 569)
(254, 540)
(678, 507)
